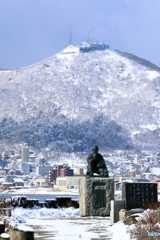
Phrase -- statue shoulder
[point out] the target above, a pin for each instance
(90, 156)
(100, 156)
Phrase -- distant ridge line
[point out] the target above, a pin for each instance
(141, 61)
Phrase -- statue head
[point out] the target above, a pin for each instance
(95, 148)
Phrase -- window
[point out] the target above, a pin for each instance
(62, 182)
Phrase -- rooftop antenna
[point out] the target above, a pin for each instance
(89, 35)
(70, 37)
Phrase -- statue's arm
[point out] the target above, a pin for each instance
(89, 158)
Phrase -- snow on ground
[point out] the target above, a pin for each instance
(121, 231)
(38, 192)
(62, 223)
(67, 224)
(69, 229)
(4, 235)
(151, 127)
(38, 212)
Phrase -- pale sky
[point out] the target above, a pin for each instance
(32, 30)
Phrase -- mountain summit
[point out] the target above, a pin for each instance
(77, 98)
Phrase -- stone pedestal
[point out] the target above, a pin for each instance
(116, 206)
(2, 228)
(95, 195)
(16, 234)
(125, 214)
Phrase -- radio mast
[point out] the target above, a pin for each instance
(70, 37)
(89, 35)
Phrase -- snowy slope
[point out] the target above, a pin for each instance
(102, 96)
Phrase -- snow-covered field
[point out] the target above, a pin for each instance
(66, 224)
(39, 192)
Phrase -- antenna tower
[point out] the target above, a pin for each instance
(70, 37)
(89, 34)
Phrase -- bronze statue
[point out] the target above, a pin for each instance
(96, 164)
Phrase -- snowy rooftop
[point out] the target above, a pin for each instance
(18, 180)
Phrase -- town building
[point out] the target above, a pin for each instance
(18, 183)
(66, 172)
(59, 167)
(134, 173)
(68, 182)
(42, 169)
(28, 167)
(41, 183)
(60, 171)
(158, 183)
(25, 153)
(52, 175)
(79, 171)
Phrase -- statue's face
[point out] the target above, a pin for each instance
(95, 149)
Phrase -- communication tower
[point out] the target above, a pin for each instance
(70, 37)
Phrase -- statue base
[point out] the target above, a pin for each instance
(95, 195)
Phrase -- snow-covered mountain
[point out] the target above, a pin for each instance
(75, 99)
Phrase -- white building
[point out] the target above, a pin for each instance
(19, 183)
(28, 167)
(92, 46)
(25, 153)
(42, 169)
(68, 182)
(24, 166)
